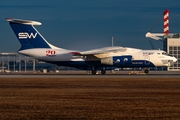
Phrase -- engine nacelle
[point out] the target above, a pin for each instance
(117, 60)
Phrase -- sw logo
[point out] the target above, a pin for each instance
(25, 35)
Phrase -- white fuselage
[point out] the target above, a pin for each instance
(157, 57)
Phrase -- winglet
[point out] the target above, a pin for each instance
(26, 22)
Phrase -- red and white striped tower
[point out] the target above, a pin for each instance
(166, 23)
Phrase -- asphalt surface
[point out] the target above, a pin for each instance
(85, 74)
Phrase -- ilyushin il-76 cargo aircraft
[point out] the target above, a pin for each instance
(33, 44)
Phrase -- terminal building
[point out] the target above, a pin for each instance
(172, 46)
(171, 43)
(14, 62)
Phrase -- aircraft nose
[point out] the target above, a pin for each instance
(174, 59)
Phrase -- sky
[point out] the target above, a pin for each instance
(90, 24)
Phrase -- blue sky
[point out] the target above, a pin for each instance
(89, 24)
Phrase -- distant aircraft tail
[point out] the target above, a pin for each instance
(27, 34)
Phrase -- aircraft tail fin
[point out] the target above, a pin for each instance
(27, 34)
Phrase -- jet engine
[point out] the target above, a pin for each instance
(117, 60)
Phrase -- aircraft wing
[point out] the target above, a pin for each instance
(102, 52)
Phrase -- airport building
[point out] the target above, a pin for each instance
(14, 62)
(171, 42)
(172, 46)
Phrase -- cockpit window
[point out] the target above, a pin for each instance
(164, 53)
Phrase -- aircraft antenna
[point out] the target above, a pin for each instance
(112, 41)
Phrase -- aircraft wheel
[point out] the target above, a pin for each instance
(93, 72)
(103, 72)
(146, 71)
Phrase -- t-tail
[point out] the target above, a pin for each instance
(27, 34)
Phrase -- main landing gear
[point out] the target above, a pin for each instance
(94, 72)
(103, 72)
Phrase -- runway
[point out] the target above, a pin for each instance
(84, 74)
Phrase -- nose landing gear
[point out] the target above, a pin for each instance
(146, 71)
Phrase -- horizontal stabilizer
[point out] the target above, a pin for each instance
(26, 22)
